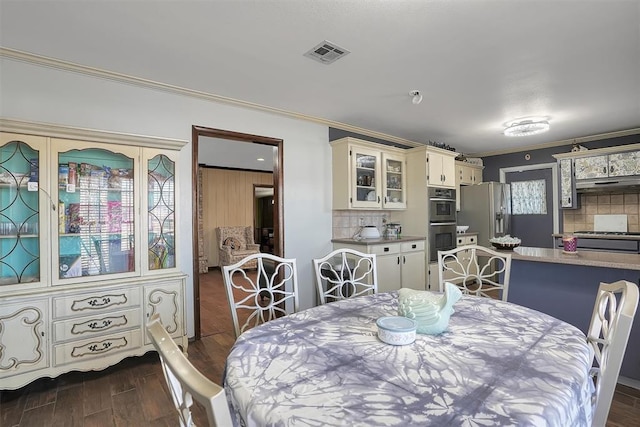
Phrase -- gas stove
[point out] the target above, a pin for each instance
(610, 233)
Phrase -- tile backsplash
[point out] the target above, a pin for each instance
(627, 203)
(346, 223)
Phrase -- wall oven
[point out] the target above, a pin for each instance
(442, 221)
(442, 205)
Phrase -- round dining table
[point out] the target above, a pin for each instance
(497, 364)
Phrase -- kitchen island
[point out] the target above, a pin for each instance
(565, 286)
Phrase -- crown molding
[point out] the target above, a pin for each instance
(44, 61)
(598, 137)
(70, 132)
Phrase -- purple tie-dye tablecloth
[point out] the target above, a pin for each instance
(498, 364)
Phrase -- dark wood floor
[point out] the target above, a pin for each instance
(133, 393)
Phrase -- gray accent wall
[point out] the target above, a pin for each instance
(492, 164)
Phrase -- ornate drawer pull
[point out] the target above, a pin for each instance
(99, 347)
(99, 302)
(99, 324)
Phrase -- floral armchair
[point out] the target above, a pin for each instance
(236, 243)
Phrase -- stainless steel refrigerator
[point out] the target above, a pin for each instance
(486, 209)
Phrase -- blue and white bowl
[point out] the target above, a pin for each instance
(396, 330)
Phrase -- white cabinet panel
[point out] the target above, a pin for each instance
(23, 339)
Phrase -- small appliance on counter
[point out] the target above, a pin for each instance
(369, 232)
(392, 231)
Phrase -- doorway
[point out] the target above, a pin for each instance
(535, 230)
(263, 217)
(200, 134)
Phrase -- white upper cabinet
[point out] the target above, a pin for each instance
(394, 181)
(441, 169)
(368, 175)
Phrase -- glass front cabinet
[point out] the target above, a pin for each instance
(367, 175)
(87, 251)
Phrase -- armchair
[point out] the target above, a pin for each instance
(235, 244)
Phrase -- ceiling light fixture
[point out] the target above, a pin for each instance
(526, 127)
(416, 97)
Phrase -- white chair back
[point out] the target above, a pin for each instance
(613, 314)
(476, 270)
(259, 294)
(185, 382)
(345, 273)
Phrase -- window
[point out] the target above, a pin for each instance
(529, 197)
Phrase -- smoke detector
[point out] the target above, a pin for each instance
(326, 52)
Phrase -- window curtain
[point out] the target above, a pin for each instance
(529, 197)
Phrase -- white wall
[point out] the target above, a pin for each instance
(40, 94)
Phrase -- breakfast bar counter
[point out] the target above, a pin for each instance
(565, 286)
(586, 258)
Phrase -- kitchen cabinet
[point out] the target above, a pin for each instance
(568, 195)
(466, 174)
(399, 264)
(608, 165)
(441, 169)
(464, 257)
(88, 241)
(368, 175)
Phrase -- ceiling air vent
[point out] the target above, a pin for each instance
(326, 52)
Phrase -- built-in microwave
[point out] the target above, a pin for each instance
(442, 204)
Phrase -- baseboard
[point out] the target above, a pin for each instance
(629, 382)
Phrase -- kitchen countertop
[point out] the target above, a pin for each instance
(588, 258)
(380, 241)
(599, 236)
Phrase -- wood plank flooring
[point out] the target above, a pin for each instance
(133, 393)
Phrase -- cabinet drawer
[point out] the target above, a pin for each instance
(467, 240)
(413, 246)
(79, 351)
(86, 327)
(96, 302)
(392, 248)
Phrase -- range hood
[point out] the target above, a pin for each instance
(608, 184)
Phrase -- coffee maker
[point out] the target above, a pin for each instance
(392, 231)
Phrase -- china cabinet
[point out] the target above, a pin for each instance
(88, 239)
(368, 175)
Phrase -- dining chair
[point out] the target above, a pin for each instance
(259, 294)
(476, 270)
(613, 313)
(185, 382)
(345, 273)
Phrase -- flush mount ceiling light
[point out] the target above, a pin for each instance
(527, 127)
(416, 96)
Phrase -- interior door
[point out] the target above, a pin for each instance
(534, 230)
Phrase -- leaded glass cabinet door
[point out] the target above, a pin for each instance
(97, 203)
(23, 211)
(161, 210)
